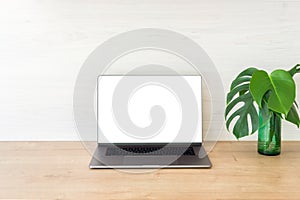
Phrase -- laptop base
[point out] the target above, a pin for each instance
(101, 161)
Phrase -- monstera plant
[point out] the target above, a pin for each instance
(259, 101)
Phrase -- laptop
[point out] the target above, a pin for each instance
(140, 120)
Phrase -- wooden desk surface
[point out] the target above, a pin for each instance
(59, 170)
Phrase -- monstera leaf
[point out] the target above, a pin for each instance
(275, 95)
(281, 86)
(295, 70)
(240, 89)
(293, 115)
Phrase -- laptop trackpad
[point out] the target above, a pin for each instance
(149, 160)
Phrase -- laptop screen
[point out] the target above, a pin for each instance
(144, 109)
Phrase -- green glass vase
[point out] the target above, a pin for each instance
(269, 133)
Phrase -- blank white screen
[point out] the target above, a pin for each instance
(139, 106)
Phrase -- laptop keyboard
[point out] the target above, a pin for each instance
(149, 151)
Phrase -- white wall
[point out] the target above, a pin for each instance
(44, 43)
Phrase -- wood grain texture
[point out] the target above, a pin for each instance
(59, 170)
